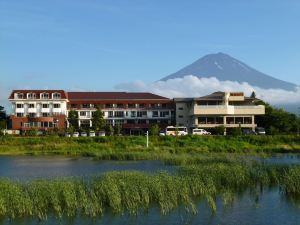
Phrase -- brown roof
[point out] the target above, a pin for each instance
(113, 96)
(38, 92)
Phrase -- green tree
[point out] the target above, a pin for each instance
(97, 119)
(253, 94)
(117, 129)
(109, 130)
(3, 118)
(73, 119)
(277, 121)
(219, 130)
(154, 130)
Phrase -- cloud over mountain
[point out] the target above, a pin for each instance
(192, 86)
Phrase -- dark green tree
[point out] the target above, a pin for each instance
(117, 129)
(109, 130)
(3, 118)
(219, 130)
(154, 130)
(97, 119)
(277, 121)
(253, 94)
(73, 119)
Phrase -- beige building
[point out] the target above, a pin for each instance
(230, 109)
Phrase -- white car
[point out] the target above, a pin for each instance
(92, 134)
(83, 134)
(101, 133)
(75, 134)
(198, 131)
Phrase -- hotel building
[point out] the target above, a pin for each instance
(134, 112)
(229, 109)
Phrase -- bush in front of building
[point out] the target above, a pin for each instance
(154, 130)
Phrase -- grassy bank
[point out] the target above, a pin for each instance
(135, 192)
(125, 148)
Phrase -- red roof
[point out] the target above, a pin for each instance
(38, 92)
(113, 96)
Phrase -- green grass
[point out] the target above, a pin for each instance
(136, 192)
(125, 148)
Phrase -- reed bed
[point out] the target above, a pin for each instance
(135, 192)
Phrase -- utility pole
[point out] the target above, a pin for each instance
(147, 139)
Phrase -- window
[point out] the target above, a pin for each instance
(19, 95)
(230, 120)
(20, 106)
(46, 114)
(44, 96)
(247, 120)
(131, 106)
(180, 116)
(120, 122)
(109, 105)
(32, 115)
(85, 106)
(120, 106)
(30, 106)
(56, 106)
(164, 113)
(155, 105)
(73, 106)
(45, 106)
(180, 108)
(20, 114)
(202, 120)
(82, 113)
(141, 113)
(31, 95)
(141, 105)
(110, 114)
(154, 113)
(133, 113)
(56, 95)
(119, 114)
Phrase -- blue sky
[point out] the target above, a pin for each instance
(94, 45)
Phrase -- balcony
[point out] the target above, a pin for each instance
(227, 110)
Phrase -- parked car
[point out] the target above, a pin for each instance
(92, 134)
(198, 131)
(260, 131)
(101, 133)
(67, 135)
(75, 134)
(83, 134)
(162, 133)
(248, 132)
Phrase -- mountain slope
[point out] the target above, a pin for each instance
(225, 67)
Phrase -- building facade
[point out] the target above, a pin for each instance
(41, 109)
(135, 112)
(229, 109)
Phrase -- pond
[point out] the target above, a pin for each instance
(32, 167)
(272, 208)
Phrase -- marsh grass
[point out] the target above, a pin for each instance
(135, 192)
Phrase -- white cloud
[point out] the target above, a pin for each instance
(192, 86)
